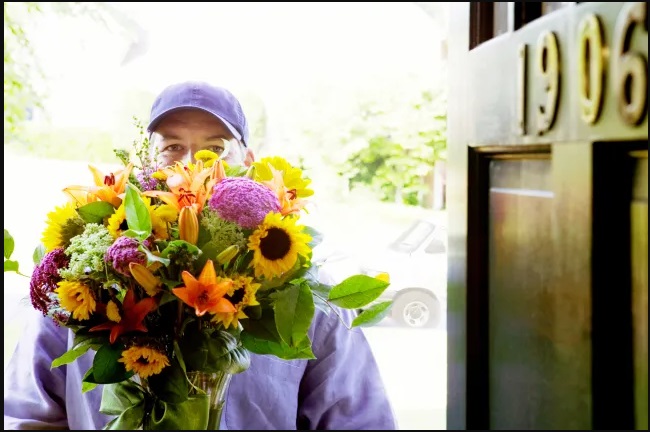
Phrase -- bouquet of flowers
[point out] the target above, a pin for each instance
(174, 275)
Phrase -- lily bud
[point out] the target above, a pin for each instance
(227, 254)
(251, 172)
(145, 278)
(188, 225)
(218, 171)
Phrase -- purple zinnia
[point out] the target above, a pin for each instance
(243, 201)
(147, 182)
(45, 279)
(123, 252)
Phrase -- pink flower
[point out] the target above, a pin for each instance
(243, 201)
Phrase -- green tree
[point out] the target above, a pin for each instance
(393, 152)
(25, 82)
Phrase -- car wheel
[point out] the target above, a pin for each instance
(417, 309)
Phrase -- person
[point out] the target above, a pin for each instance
(340, 389)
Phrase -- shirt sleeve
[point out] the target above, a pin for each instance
(342, 388)
(34, 393)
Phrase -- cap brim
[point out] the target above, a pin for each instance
(154, 122)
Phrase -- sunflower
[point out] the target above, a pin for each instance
(63, 223)
(160, 217)
(276, 245)
(241, 295)
(117, 222)
(144, 361)
(76, 297)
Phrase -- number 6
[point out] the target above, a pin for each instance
(631, 71)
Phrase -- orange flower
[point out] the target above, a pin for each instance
(189, 185)
(109, 187)
(205, 294)
(132, 316)
(289, 201)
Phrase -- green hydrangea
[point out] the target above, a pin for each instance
(86, 252)
(222, 233)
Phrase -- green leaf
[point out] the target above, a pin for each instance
(372, 315)
(357, 291)
(278, 349)
(180, 244)
(316, 236)
(87, 386)
(138, 235)
(263, 328)
(151, 258)
(106, 366)
(216, 351)
(11, 266)
(210, 251)
(95, 212)
(81, 346)
(9, 246)
(137, 215)
(294, 310)
(321, 293)
(39, 253)
(166, 297)
(170, 384)
(179, 356)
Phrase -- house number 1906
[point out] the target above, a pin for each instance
(628, 74)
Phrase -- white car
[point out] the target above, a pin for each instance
(416, 262)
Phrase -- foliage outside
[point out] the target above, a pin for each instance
(395, 156)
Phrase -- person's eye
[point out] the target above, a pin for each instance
(218, 149)
(172, 148)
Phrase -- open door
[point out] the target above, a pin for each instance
(548, 216)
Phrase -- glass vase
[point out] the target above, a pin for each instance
(215, 385)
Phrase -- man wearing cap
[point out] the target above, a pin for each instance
(340, 389)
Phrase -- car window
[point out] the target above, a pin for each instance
(436, 246)
(413, 237)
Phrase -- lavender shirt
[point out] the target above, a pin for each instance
(340, 389)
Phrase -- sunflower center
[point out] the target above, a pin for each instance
(237, 296)
(71, 228)
(143, 361)
(203, 297)
(276, 244)
(124, 226)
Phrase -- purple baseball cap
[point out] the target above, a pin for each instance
(197, 94)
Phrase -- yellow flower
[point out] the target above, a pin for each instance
(144, 361)
(76, 297)
(161, 216)
(291, 176)
(63, 223)
(113, 312)
(276, 245)
(241, 295)
(117, 222)
(208, 157)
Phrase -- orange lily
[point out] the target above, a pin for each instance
(188, 185)
(289, 201)
(108, 187)
(205, 294)
(132, 317)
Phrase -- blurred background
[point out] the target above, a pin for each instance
(353, 93)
